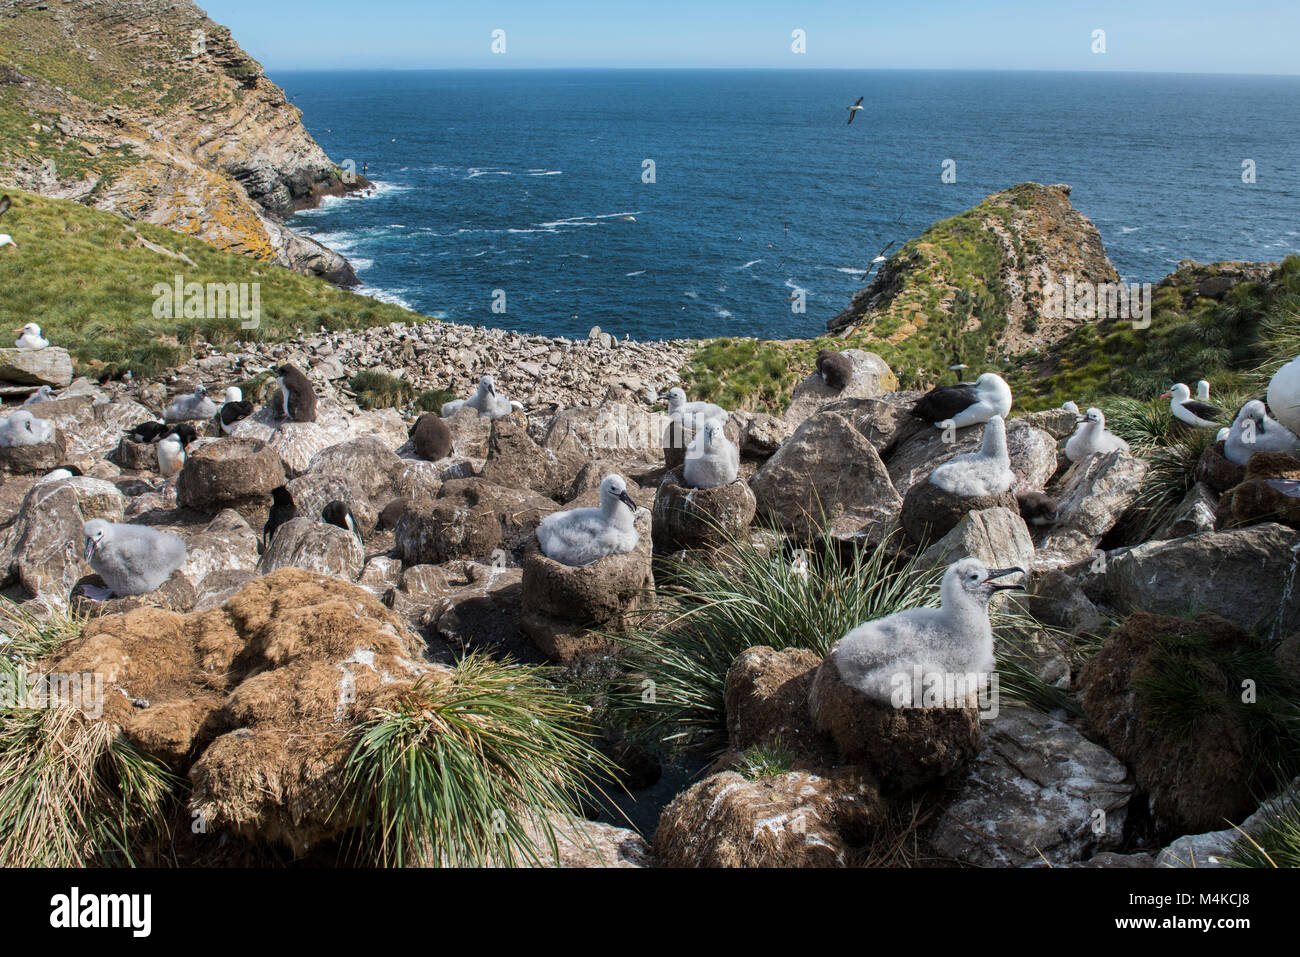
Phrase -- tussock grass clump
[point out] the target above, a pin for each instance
(378, 390)
(465, 772)
(763, 761)
(1277, 842)
(432, 400)
(73, 792)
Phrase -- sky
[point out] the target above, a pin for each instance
(1181, 36)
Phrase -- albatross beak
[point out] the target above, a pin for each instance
(1167, 395)
(1003, 573)
(627, 500)
(90, 548)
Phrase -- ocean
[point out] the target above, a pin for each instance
(506, 198)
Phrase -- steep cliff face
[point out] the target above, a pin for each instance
(150, 109)
(979, 277)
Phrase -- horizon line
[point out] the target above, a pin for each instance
(541, 68)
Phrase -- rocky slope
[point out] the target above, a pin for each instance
(460, 572)
(980, 275)
(151, 110)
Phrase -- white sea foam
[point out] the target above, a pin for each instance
(390, 296)
(639, 272)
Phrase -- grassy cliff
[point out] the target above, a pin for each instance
(87, 277)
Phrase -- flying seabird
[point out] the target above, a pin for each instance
(967, 403)
(711, 458)
(1200, 415)
(955, 638)
(23, 428)
(30, 337)
(337, 513)
(485, 399)
(1253, 431)
(982, 473)
(297, 397)
(132, 559)
(581, 536)
(282, 510)
(1284, 395)
(1091, 438)
(431, 437)
(836, 369)
(854, 109)
(880, 258)
(191, 408)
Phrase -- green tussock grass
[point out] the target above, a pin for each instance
(1235, 343)
(763, 761)
(464, 773)
(432, 400)
(83, 276)
(378, 390)
(73, 792)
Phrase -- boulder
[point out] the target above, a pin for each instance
(796, 819)
(929, 513)
(884, 423)
(516, 461)
(998, 537)
(871, 378)
(50, 366)
(761, 434)
(231, 473)
(34, 459)
(136, 456)
(564, 604)
(827, 476)
(41, 551)
(93, 430)
(1195, 513)
(686, 517)
(904, 748)
(1239, 574)
(472, 519)
(470, 433)
(226, 544)
(1194, 779)
(1094, 495)
(316, 547)
(312, 491)
(1058, 423)
(368, 463)
(616, 430)
(1033, 794)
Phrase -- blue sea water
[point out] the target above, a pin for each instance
(520, 181)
